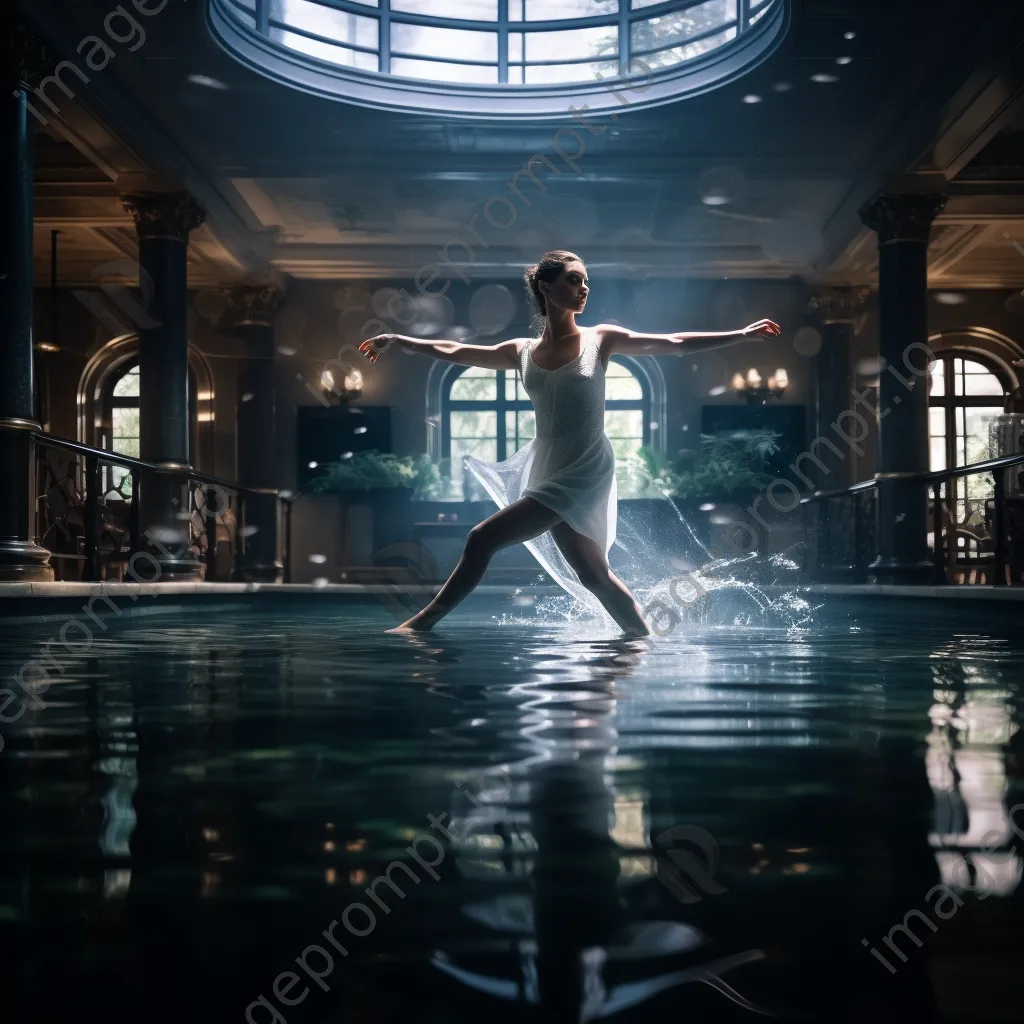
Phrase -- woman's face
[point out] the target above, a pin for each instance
(569, 290)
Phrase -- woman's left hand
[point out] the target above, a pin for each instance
(762, 329)
(373, 347)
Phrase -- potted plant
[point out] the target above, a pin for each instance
(710, 487)
(364, 472)
(385, 481)
(726, 467)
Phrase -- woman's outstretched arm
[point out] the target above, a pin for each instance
(492, 357)
(635, 343)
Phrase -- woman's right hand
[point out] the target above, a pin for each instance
(762, 329)
(373, 347)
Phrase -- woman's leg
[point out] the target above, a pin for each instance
(588, 561)
(522, 520)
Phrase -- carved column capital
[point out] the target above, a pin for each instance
(837, 305)
(903, 218)
(24, 58)
(164, 214)
(254, 304)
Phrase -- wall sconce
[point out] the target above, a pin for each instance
(351, 385)
(755, 390)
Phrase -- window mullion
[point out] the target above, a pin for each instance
(953, 490)
(624, 40)
(446, 423)
(502, 407)
(385, 37)
(503, 41)
(263, 17)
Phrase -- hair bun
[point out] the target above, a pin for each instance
(548, 269)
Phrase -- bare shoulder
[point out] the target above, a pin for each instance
(612, 330)
(513, 349)
(608, 336)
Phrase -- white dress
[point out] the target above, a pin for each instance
(570, 465)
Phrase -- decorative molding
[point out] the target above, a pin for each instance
(25, 59)
(903, 218)
(254, 304)
(164, 214)
(837, 305)
(954, 242)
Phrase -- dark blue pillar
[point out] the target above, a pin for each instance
(20, 557)
(903, 224)
(259, 559)
(163, 221)
(833, 310)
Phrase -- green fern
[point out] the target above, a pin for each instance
(375, 470)
(725, 465)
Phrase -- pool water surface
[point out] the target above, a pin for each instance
(288, 816)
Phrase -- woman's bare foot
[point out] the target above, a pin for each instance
(635, 632)
(421, 622)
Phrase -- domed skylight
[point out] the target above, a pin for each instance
(501, 58)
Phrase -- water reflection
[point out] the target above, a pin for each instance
(241, 783)
(971, 726)
(575, 921)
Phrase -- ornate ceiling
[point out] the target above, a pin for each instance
(719, 185)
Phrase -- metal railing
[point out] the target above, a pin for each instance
(111, 527)
(858, 523)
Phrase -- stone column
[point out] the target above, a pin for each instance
(254, 307)
(833, 310)
(903, 224)
(22, 59)
(163, 221)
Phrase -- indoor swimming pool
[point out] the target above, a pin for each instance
(289, 816)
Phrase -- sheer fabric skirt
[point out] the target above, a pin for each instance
(573, 475)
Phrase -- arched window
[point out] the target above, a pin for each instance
(486, 413)
(966, 392)
(120, 432)
(501, 58)
(109, 412)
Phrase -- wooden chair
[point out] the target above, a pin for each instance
(969, 559)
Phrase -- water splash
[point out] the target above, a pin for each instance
(749, 589)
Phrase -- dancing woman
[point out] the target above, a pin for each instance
(563, 482)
